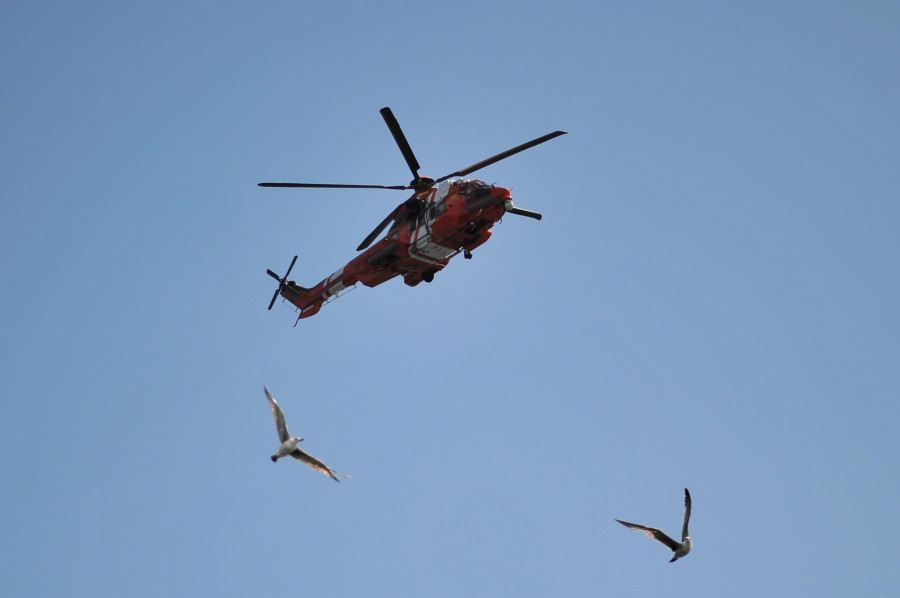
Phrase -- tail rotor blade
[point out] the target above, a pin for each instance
(291, 267)
(274, 297)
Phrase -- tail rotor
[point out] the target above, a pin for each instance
(282, 281)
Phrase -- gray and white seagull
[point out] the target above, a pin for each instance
(289, 443)
(679, 548)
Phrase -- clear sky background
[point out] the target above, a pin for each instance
(711, 300)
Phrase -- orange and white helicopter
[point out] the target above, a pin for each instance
(442, 218)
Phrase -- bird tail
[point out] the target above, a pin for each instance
(336, 474)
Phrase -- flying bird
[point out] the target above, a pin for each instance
(679, 548)
(289, 443)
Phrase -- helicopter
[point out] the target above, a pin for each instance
(442, 218)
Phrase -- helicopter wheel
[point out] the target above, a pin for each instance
(467, 254)
(428, 275)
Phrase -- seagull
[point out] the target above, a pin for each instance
(679, 548)
(289, 444)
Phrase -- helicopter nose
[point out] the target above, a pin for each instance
(500, 192)
(487, 196)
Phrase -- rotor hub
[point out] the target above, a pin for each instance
(420, 184)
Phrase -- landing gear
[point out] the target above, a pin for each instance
(428, 275)
(467, 254)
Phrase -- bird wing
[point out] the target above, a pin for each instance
(283, 433)
(653, 533)
(687, 514)
(316, 464)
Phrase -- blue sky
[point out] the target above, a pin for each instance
(710, 301)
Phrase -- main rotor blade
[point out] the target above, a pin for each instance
(378, 229)
(332, 186)
(401, 141)
(502, 155)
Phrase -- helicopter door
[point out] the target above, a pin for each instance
(422, 247)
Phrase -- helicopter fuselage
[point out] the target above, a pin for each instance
(429, 229)
(442, 218)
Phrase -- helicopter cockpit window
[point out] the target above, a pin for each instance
(479, 189)
(468, 188)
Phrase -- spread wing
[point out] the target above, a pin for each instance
(283, 433)
(317, 465)
(653, 533)
(687, 514)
